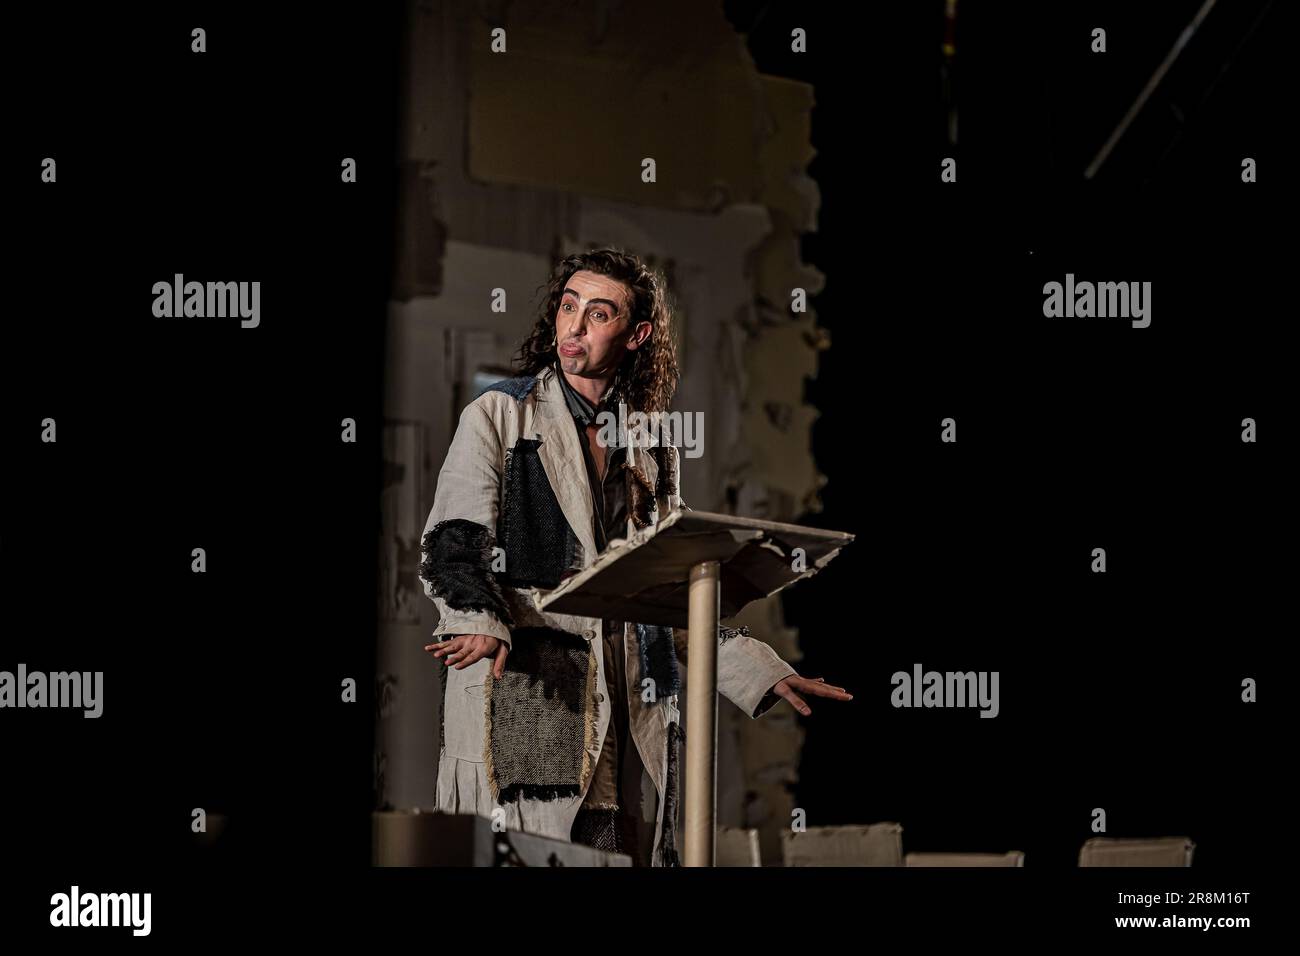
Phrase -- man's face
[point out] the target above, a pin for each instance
(593, 325)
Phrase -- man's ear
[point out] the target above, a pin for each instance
(635, 343)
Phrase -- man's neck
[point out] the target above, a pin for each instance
(592, 389)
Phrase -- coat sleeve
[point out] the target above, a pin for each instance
(459, 538)
(747, 669)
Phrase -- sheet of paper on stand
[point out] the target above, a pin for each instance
(645, 578)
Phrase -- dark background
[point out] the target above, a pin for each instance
(175, 434)
(1119, 691)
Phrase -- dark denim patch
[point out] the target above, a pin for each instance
(517, 387)
(540, 546)
(658, 659)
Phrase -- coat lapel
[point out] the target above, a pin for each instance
(562, 459)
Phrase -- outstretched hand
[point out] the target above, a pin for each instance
(790, 688)
(467, 649)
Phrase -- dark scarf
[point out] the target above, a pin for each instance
(581, 407)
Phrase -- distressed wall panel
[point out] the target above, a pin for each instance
(576, 104)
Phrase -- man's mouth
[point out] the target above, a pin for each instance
(568, 348)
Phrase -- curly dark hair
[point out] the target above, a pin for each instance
(648, 376)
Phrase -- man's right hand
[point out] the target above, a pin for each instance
(466, 649)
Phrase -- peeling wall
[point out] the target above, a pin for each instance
(508, 160)
(585, 92)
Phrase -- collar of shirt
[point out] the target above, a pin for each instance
(581, 407)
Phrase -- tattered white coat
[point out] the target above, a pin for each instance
(470, 488)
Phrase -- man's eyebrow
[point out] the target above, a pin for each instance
(612, 305)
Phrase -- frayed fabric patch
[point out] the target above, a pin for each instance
(457, 564)
(541, 717)
(668, 843)
(666, 456)
(640, 496)
(599, 827)
(659, 659)
(727, 633)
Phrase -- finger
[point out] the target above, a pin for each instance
(472, 656)
(499, 664)
(829, 690)
(806, 681)
(471, 653)
(816, 685)
(796, 701)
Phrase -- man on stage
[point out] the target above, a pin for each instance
(554, 724)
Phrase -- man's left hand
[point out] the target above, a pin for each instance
(791, 687)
